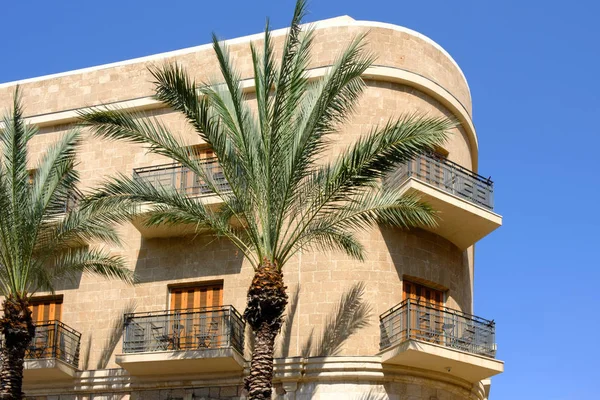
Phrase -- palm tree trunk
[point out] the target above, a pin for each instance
(267, 300)
(17, 329)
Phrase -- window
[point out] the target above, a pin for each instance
(423, 314)
(45, 312)
(202, 153)
(31, 175)
(440, 153)
(193, 185)
(422, 294)
(198, 322)
(46, 309)
(197, 296)
(72, 199)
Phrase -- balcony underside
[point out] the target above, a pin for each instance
(47, 369)
(461, 222)
(162, 231)
(182, 362)
(432, 357)
(168, 230)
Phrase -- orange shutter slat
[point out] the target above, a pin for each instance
(209, 297)
(46, 312)
(173, 299)
(51, 311)
(197, 299)
(184, 297)
(58, 312)
(203, 297)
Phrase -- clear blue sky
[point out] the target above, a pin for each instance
(533, 69)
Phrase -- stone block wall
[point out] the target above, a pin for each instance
(92, 305)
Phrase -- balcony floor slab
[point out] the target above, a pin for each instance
(47, 369)
(428, 356)
(182, 362)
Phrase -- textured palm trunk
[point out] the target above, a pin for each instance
(17, 330)
(266, 303)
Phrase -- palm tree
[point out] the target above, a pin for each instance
(280, 196)
(42, 236)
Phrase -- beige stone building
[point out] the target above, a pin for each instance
(178, 334)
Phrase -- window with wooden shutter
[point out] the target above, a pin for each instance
(194, 185)
(423, 294)
(46, 309)
(423, 313)
(45, 312)
(203, 153)
(440, 153)
(191, 297)
(198, 316)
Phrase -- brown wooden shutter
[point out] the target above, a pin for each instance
(43, 310)
(191, 184)
(423, 294)
(196, 297)
(424, 316)
(195, 329)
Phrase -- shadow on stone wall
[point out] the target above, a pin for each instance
(194, 256)
(351, 314)
(429, 257)
(70, 282)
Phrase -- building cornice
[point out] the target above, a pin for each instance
(377, 73)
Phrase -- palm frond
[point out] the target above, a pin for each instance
(55, 177)
(361, 168)
(81, 259)
(37, 229)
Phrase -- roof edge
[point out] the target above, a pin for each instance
(343, 20)
(325, 23)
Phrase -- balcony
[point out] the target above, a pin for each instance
(182, 179)
(183, 341)
(53, 353)
(72, 201)
(464, 200)
(439, 339)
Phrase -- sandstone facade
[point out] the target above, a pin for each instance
(412, 73)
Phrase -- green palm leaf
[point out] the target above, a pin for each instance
(42, 236)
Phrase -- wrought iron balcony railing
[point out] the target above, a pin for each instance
(53, 339)
(183, 179)
(443, 326)
(186, 329)
(72, 201)
(449, 177)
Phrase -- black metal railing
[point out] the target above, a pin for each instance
(448, 176)
(186, 329)
(72, 201)
(443, 326)
(183, 179)
(53, 339)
